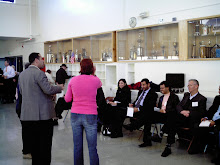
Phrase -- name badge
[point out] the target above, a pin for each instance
(194, 104)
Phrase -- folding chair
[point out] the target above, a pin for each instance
(187, 138)
(66, 115)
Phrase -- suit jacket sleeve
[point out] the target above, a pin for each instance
(179, 107)
(46, 86)
(149, 103)
(172, 103)
(213, 109)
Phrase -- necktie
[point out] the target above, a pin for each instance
(6, 69)
(137, 105)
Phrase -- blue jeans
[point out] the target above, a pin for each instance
(89, 123)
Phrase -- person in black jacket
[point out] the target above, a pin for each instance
(61, 75)
(119, 108)
(166, 113)
(213, 115)
(190, 111)
(143, 111)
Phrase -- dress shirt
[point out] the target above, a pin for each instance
(191, 97)
(142, 101)
(9, 72)
(164, 102)
(216, 115)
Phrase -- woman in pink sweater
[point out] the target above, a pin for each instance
(82, 90)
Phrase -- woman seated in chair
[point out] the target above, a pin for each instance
(119, 108)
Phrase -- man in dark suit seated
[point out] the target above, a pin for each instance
(190, 110)
(166, 113)
(143, 111)
(213, 115)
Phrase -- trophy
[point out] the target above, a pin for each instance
(68, 56)
(49, 54)
(76, 56)
(83, 53)
(133, 53)
(202, 50)
(139, 48)
(63, 58)
(197, 33)
(109, 55)
(104, 55)
(175, 52)
(163, 50)
(194, 49)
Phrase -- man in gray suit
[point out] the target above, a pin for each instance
(37, 109)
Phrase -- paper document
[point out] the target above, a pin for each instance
(130, 111)
(205, 123)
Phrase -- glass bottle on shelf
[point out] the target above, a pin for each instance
(133, 53)
(49, 54)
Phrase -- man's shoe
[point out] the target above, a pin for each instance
(166, 152)
(27, 156)
(128, 127)
(145, 144)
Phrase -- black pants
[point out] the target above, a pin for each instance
(118, 116)
(9, 91)
(39, 134)
(169, 121)
(61, 106)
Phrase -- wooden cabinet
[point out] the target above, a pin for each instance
(204, 38)
(98, 47)
(58, 51)
(156, 42)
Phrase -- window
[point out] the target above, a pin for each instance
(7, 1)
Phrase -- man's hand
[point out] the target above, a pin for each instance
(185, 113)
(61, 85)
(135, 109)
(212, 124)
(162, 111)
(112, 103)
(130, 105)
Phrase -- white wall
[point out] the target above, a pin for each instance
(56, 19)
(206, 72)
(15, 20)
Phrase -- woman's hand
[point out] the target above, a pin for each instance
(112, 103)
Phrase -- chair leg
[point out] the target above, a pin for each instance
(190, 143)
(66, 115)
(142, 132)
(205, 148)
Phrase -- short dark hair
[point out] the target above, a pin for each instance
(48, 71)
(194, 80)
(86, 67)
(33, 56)
(6, 59)
(26, 65)
(146, 80)
(166, 84)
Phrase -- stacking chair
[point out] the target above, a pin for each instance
(66, 115)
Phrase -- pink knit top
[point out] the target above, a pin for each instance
(82, 90)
